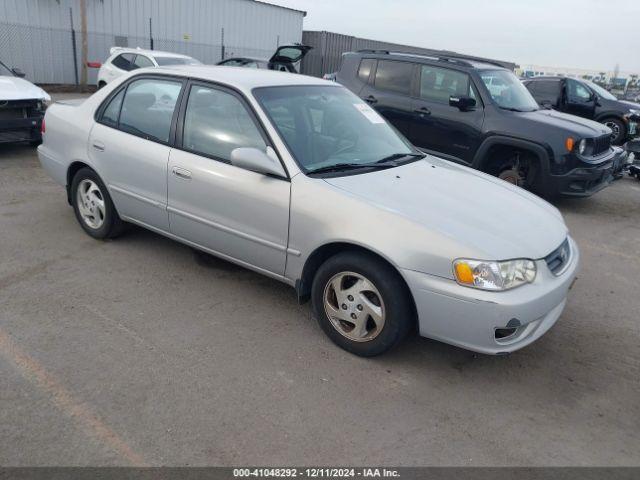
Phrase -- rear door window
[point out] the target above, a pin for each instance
(124, 61)
(394, 76)
(148, 107)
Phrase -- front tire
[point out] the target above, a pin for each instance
(93, 206)
(361, 303)
(618, 128)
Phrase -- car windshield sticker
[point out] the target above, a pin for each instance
(368, 112)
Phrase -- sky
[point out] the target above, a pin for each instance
(590, 34)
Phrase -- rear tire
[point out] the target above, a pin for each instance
(361, 303)
(93, 206)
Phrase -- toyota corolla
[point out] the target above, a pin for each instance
(298, 179)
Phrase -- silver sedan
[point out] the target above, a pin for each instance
(299, 179)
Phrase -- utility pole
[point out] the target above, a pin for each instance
(85, 47)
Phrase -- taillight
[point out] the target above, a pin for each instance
(42, 127)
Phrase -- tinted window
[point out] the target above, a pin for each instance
(546, 88)
(577, 91)
(394, 76)
(124, 61)
(148, 108)
(216, 122)
(111, 113)
(325, 126)
(365, 69)
(438, 84)
(141, 62)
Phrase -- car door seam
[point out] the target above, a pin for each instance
(227, 229)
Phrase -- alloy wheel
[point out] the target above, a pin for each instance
(90, 203)
(354, 306)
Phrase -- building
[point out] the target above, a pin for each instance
(44, 37)
(328, 48)
(619, 80)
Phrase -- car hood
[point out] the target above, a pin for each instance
(16, 88)
(497, 220)
(631, 105)
(558, 120)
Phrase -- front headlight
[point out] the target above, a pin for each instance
(582, 146)
(487, 275)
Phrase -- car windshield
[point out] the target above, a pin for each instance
(5, 71)
(601, 92)
(166, 61)
(328, 126)
(508, 91)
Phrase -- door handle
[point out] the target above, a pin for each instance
(181, 173)
(422, 111)
(371, 99)
(97, 145)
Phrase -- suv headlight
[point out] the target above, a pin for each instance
(582, 146)
(488, 275)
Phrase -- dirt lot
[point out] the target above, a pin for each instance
(139, 351)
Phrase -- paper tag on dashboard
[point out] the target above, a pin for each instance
(369, 113)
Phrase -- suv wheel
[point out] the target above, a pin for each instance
(618, 129)
(93, 206)
(361, 303)
(513, 176)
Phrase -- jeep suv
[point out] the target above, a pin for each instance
(481, 115)
(588, 100)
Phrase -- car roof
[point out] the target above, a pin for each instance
(240, 77)
(151, 53)
(459, 61)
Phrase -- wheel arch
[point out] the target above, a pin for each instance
(324, 252)
(482, 157)
(72, 169)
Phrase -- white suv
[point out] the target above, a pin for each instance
(123, 60)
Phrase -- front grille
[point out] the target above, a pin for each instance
(601, 144)
(558, 260)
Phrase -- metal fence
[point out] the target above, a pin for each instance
(47, 55)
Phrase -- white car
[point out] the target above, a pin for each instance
(22, 106)
(299, 179)
(123, 60)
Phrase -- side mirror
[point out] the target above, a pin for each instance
(17, 72)
(257, 161)
(462, 102)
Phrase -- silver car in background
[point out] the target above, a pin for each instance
(298, 179)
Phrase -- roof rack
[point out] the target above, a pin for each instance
(455, 58)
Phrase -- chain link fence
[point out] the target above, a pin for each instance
(53, 56)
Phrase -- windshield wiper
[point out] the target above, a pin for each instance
(386, 162)
(398, 156)
(348, 166)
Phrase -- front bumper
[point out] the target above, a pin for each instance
(587, 179)
(469, 318)
(21, 129)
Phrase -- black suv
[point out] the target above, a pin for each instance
(588, 100)
(481, 115)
